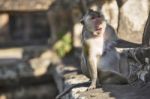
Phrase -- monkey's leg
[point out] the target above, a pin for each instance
(120, 43)
(84, 66)
(113, 78)
(93, 71)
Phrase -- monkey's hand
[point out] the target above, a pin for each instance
(92, 86)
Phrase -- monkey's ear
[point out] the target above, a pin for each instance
(82, 21)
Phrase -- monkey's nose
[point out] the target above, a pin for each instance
(98, 33)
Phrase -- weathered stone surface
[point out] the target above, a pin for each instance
(58, 77)
(22, 79)
(15, 72)
(11, 53)
(146, 34)
(4, 28)
(110, 10)
(69, 74)
(133, 15)
(28, 63)
(24, 5)
(41, 64)
(43, 91)
(72, 77)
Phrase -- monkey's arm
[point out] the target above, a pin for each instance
(71, 87)
(125, 44)
(92, 59)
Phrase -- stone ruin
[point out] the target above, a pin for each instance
(30, 68)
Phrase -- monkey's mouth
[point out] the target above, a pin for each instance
(98, 29)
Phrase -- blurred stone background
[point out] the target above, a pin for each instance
(36, 35)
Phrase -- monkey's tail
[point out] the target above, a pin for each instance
(126, 44)
(71, 87)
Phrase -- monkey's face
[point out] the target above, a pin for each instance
(94, 22)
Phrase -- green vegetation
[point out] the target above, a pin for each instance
(63, 45)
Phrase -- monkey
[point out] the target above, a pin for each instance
(99, 59)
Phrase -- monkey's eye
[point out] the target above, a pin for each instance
(93, 17)
(99, 16)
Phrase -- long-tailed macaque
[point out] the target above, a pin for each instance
(99, 59)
